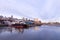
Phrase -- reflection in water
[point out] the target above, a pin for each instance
(20, 29)
(43, 32)
(10, 29)
(36, 28)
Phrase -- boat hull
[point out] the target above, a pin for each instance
(19, 25)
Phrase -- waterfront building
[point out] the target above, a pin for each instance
(7, 22)
(37, 21)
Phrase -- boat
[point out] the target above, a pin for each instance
(3, 25)
(19, 25)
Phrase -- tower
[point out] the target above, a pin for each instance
(11, 16)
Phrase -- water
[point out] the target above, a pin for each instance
(43, 32)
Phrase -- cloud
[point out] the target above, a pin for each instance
(43, 9)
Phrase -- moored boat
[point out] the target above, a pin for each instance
(3, 25)
(19, 25)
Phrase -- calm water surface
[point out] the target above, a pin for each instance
(43, 32)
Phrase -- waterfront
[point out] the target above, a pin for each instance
(43, 32)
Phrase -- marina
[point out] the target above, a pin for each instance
(29, 19)
(24, 22)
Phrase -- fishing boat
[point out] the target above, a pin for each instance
(19, 25)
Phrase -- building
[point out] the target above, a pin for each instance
(37, 20)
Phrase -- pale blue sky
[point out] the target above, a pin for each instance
(46, 10)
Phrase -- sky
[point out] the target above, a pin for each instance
(45, 10)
